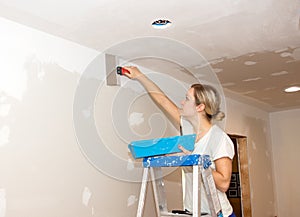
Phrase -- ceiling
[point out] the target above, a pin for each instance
(253, 46)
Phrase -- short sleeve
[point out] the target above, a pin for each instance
(220, 145)
(225, 148)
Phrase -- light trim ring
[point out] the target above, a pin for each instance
(161, 24)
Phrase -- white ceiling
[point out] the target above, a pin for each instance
(253, 46)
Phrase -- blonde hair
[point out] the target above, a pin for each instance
(209, 96)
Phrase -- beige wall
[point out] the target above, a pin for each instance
(44, 169)
(249, 121)
(286, 150)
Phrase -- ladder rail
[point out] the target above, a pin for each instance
(211, 193)
(196, 191)
(201, 171)
(157, 197)
(143, 193)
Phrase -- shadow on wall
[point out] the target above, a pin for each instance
(260, 166)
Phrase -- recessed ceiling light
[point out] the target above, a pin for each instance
(161, 24)
(292, 89)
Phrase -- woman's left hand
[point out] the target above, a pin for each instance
(184, 151)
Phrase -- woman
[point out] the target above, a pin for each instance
(200, 108)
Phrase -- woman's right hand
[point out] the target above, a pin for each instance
(134, 72)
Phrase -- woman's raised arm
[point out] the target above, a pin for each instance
(157, 95)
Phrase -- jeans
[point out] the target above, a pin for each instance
(232, 215)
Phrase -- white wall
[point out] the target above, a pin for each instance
(286, 150)
(43, 170)
(53, 102)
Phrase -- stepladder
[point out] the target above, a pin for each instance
(202, 174)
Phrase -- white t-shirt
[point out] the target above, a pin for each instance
(217, 144)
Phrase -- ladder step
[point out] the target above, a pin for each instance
(200, 164)
(173, 214)
(163, 214)
(177, 161)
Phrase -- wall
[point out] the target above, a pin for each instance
(44, 170)
(286, 149)
(243, 119)
(53, 100)
(64, 132)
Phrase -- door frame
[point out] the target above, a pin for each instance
(243, 165)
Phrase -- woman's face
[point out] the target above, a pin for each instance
(188, 104)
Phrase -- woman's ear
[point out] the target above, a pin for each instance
(200, 107)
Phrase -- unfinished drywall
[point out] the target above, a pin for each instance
(262, 73)
(42, 166)
(227, 28)
(39, 79)
(40, 138)
(249, 121)
(286, 149)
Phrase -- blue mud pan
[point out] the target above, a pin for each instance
(161, 146)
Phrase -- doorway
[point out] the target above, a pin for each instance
(239, 189)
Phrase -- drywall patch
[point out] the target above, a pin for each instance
(216, 61)
(4, 109)
(250, 63)
(254, 146)
(267, 154)
(280, 73)
(249, 92)
(296, 54)
(217, 70)
(131, 200)
(136, 119)
(269, 88)
(264, 129)
(252, 79)
(285, 54)
(87, 112)
(4, 135)
(86, 196)
(2, 202)
(229, 84)
(281, 50)
(130, 164)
